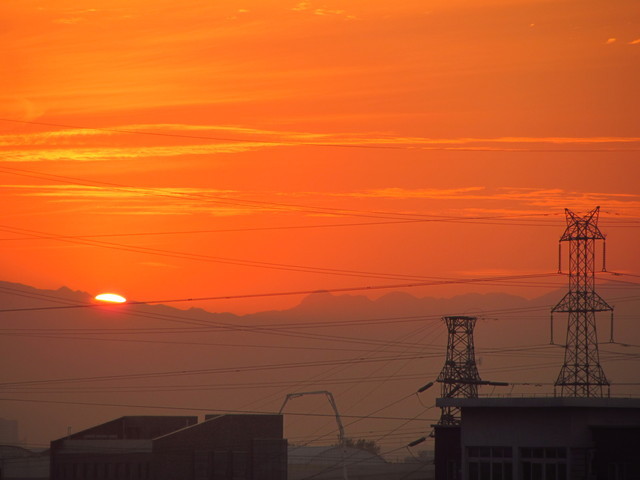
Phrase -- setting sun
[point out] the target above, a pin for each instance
(110, 297)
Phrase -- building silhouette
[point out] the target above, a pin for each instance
(552, 438)
(222, 447)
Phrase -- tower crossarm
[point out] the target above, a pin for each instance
(585, 302)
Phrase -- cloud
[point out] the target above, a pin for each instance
(404, 194)
(75, 16)
(68, 20)
(635, 42)
(322, 12)
(104, 154)
(177, 201)
(611, 40)
(302, 6)
(120, 192)
(142, 201)
(528, 201)
(149, 141)
(178, 130)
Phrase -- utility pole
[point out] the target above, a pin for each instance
(581, 374)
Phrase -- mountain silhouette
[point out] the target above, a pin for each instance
(70, 365)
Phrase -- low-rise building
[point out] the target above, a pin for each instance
(120, 448)
(551, 438)
(223, 447)
(238, 447)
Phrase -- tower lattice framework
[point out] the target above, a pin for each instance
(459, 376)
(581, 374)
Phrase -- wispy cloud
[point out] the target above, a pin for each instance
(69, 20)
(520, 201)
(171, 140)
(72, 17)
(307, 6)
(119, 192)
(302, 6)
(472, 201)
(89, 154)
(423, 194)
(141, 201)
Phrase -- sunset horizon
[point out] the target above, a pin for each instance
(209, 206)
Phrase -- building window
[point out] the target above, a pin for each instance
(490, 463)
(539, 463)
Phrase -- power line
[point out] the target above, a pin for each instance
(270, 329)
(224, 230)
(212, 386)
(174, 342)
(208, 371)
(226, 260)
(35, 385)
(273, 205)
(212, 326)
(403, 217)
(289, 293)
(190, 409)
(251, 328)
(281, 330)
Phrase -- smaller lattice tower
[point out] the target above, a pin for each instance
(459, 376)
(581, 374)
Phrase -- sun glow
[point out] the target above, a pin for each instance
(110, 297)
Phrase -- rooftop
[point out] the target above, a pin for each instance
(539, 402)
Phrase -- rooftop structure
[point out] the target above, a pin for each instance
(223, 447)
(545, 438)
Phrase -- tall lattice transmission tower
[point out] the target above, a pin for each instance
(459, 376)
(581, 374)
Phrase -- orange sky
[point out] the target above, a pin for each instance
(311, 115)
(170, 150)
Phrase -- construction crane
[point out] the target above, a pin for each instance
(332, 402)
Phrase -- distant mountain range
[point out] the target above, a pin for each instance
(68, 366)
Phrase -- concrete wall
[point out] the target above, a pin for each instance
(539, 427)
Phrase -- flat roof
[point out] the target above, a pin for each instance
(539, 402)
(212, 417)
